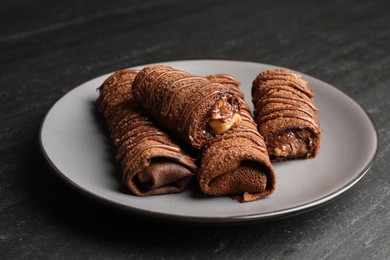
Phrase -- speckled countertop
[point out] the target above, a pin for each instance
(47, 48)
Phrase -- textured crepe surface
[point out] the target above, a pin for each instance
(152, 163)
(237, 163)
(283, 102)
(179, 101)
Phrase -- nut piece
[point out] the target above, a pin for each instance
(287, 145)
(219, 126)
(223, 115)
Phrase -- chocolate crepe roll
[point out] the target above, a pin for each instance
(152, 163)
(192, 107)
(286, 115)
(237, 164)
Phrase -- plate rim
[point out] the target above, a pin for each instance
(247, 218)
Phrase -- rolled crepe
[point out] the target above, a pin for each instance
(237, 163)
(192, 107)
(286, 115)
(152, 162)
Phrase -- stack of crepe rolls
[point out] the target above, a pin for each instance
(152, 162)
(210, 114)
(286, 116)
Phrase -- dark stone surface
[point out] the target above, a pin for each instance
(49, 47)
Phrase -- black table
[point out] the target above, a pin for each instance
(49, 47)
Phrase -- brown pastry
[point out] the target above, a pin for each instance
(237, 163)
(192, 107)
(152, 163)
(286, 115)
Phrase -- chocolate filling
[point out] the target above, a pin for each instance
(223, 114)
(290, 144)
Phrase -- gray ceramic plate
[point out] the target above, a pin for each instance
(75, 143)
